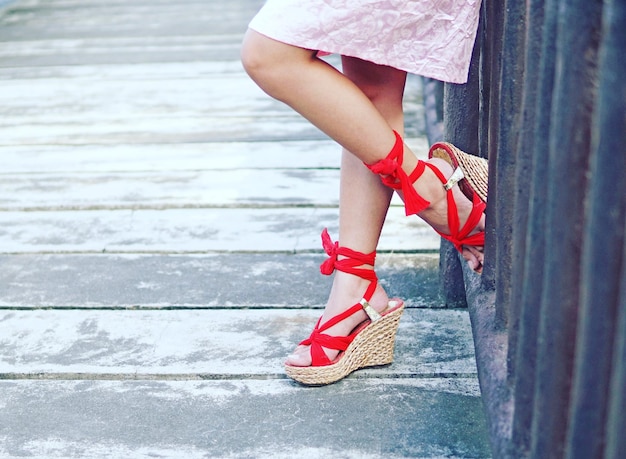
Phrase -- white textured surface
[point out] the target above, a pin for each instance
(192, 230)
(234, 343)
(240, 419)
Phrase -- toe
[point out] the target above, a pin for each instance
(474, 258)
(300, 357)
(478, 253)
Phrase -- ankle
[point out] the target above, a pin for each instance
(430, 187)
(347, 284)
(349, 289)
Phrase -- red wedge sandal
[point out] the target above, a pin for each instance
(392, 175)
(371, 343)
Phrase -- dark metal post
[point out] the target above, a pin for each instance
(570, 142)
(551, 339)
(602, 254)
(611, 139)
(541, 38)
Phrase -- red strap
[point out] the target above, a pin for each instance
(318, 339)
(459, 236)
(350, 264)
(392, 175)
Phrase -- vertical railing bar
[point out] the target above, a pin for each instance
(484, 89)
(490, 344)
(570, 139)
(602, 251)
(491, 50)
(612, 137)
(509, 101)
(509, 162)
(530, 174)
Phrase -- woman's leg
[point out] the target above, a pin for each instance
(338, 107)
(363, 201)
(320, 93)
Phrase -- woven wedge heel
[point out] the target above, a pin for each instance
(392, 175)
(371, 343)
(372, 346)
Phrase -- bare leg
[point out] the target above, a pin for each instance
(338, 107)
(363, 202)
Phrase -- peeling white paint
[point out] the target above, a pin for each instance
(224, 342)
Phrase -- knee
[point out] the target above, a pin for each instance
(251, 57)
(258, 61)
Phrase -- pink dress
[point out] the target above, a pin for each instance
(433, 38)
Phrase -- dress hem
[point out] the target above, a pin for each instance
(348, 53)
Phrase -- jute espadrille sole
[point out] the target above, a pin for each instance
(474, 168)
(373, 346)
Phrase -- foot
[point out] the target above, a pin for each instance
(436, 215)
(421, 186)
(346, 291)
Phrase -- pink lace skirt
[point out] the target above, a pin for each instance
(430, 38)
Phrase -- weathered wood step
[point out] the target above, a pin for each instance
(208, 156)
(209, 344)
(230, 280)
(133, 108)
(264, 419)
(194, 230)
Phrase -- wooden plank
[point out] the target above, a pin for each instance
(46, 111)
(74, 19)
(47, 99)
(366, 419)
(121, 71)
(143, 128)
(268, 188)
(194, 230)
(22, 160)
(209, 156)
(120, 50)
(211, 343)
(217, 281)
(166, 190)
(53, 112)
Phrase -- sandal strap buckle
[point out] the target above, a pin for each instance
(372, 313)
(455, 178)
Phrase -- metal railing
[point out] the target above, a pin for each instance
(547, 100)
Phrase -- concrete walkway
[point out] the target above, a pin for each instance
(159, 252)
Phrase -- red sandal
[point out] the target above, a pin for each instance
(392, 175)
(371, 343)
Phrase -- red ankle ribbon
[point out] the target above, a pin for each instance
(392, 175)
(331, 249)
(350, 264)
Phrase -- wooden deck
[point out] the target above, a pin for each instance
(159, 243)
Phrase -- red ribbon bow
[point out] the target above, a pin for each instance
(331, 248)
(388, 170)
(392, 175)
